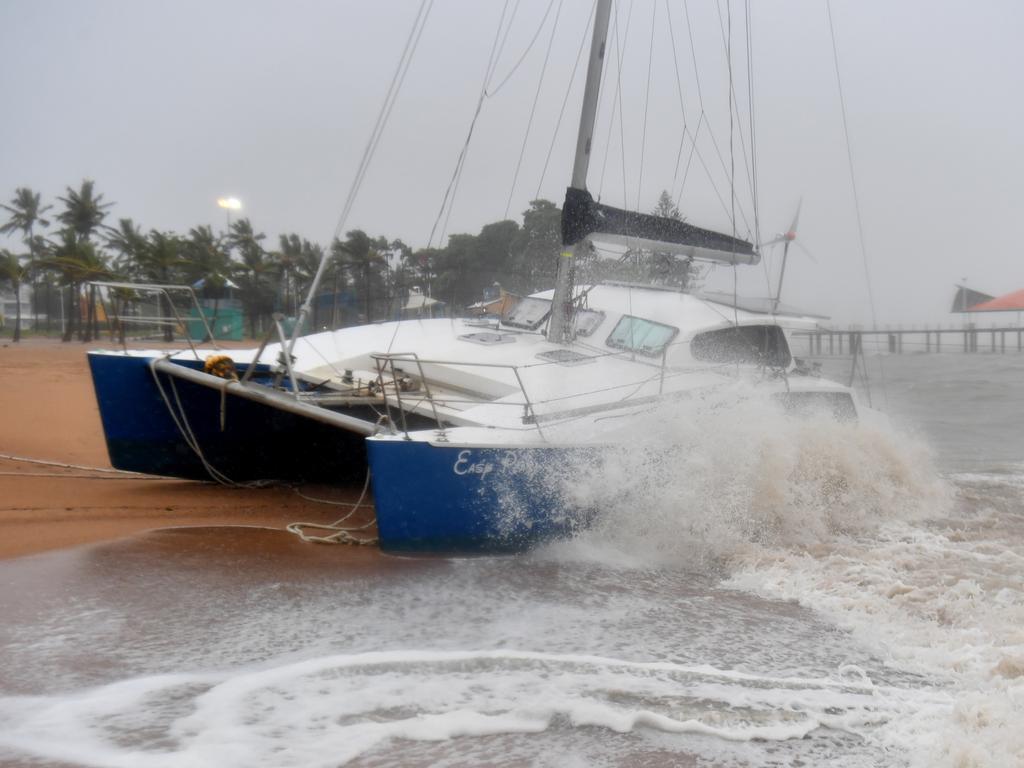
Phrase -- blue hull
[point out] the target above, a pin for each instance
(434, 498)
(258, 441)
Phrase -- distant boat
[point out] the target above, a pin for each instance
(466, 429)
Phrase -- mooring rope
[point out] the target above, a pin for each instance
(63, 465)
(340, 534)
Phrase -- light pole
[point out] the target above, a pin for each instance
(229, 204)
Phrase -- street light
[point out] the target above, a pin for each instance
(229, 204)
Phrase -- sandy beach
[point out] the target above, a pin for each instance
(48, 413)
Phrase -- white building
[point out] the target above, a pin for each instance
(9, 307)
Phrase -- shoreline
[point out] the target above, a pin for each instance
(48, 413)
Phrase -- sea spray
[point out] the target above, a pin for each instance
(636, 654)
(704, 479)
(851, 520)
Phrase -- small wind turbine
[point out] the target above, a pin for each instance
(786, 238)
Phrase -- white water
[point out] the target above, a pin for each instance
(819, 596)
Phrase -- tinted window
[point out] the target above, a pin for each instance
(639, 335)
(752, 344)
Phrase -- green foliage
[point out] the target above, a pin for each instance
(537, 246)
(25, 213)
(666, 207)
(129, 243)
(363, 260)
(84, 210)
(13, 271)
(365, 279)
(254, 274)
(206, 259)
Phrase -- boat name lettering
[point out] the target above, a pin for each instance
(465, 466)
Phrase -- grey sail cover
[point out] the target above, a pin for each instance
(582, 217)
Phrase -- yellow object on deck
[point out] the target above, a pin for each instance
(221, 366)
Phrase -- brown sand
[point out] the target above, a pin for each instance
(48, 411)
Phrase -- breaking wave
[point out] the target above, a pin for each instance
(329, 710)
(706, 481)
(854, 522)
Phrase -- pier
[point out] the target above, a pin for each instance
(897, 341)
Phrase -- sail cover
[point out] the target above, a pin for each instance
(582, 216)
(965, 299)
(1011, 302)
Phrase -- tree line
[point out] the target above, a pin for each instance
(75, 240)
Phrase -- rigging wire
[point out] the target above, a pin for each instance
(529, 47)
(411, 43)
(504, 39)
(622, 115)
(533, 108)
(711, 134)
(732, 170)
(647, 103)
(734, 106)
(751, 112)
(615, 102)
(856, 196)
(682, 108)
(565, 100)
(448, 201)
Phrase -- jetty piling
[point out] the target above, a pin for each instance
(897, 341)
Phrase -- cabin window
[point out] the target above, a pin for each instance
(488, 339)
(639, 335)
(564, 357)
(750, 344)
(586, 321)
(528, 314)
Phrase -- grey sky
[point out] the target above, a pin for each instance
(171, 105)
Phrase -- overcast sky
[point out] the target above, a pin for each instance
(170, 105)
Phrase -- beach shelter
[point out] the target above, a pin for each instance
(420, 305)
(966, 298)
(1011, 302)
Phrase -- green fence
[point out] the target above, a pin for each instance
(227, 324)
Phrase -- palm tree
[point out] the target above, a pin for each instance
(84, 210)
(129, 243)
(253, 272)
(361, 256)
(76, 260)
(25, 213)
(13, 271)
(208, 261)
(286, 261)
(161, 261)
(304, 272)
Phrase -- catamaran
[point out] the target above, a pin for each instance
(471, 430)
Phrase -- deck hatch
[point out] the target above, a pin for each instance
(488, 338)
(528, 314)
(564, 357)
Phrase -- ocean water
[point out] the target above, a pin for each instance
(755, 592)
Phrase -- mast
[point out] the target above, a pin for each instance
(561, 306)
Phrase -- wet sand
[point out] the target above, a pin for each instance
(48, 412)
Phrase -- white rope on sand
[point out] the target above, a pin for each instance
(77, 475)
(340, 534)
(63, 465)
